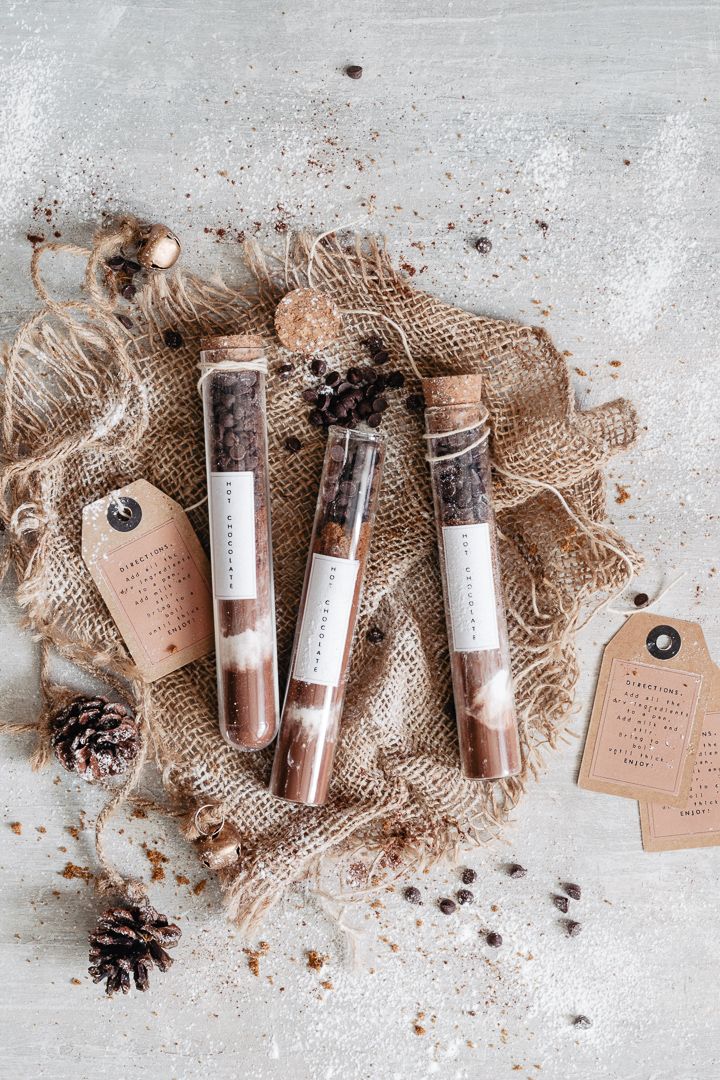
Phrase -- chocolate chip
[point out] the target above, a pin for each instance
(573, 891)
(293, 444)
(353, 71)
(414, 403)
(381, 357)
(316, 418)
(374, 420)
(129, 292)
(515, 870)
(395, 380)
(641, 600)
(446, 905)
(121, 318)
(379, 404)
(318, 367)
(561, 903)
(583, 1022)
(373, 344)
(375, 635)
(494, 939)
(364, 409)
(337, 454)
(115, 262)
(173, 339)
(132, 267)
(468, 876)
(572, 928)
(332, 378)
(483, 245)
(355, 375)
(412, 895)
(464, 896)
(285, 371)
(311, 395)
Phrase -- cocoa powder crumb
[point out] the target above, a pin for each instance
(71, 871)
(315, 960)
(74, 831)
(327, 985)
(182, 880)
(200, 886)
(16, 827)
(156, 860)
(419, 1029)
(75, 982)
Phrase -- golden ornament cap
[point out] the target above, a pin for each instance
(160, 248)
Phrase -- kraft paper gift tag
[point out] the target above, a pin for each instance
(697, 823)
(651, 695)
(153, 575)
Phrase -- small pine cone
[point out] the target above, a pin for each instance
(95, 738)
(129, 941)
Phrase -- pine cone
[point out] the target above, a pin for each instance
(95, 738)
(128, 941)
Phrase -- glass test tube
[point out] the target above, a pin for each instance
(328, 612)
(472, 587)
(240, 542)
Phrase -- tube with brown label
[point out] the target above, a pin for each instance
(233, 392)
(457, 438)
(328, 612)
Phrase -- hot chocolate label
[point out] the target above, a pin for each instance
(232, 535)
(471, 587)
(153, 575)
(697, 823)
(326, 619)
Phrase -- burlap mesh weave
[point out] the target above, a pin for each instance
(90, 406)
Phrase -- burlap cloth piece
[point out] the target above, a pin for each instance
(90, 406)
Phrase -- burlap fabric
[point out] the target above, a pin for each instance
(90, 406)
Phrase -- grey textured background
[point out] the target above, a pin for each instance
(597, 119)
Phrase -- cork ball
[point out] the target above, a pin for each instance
(160, 249)
(307, 321)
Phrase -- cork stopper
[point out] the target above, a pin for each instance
(252, 345)
(307, 321)
(452, 390)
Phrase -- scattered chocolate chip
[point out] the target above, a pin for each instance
(374, 419)
(494, 939)
(375, 635)
(121, 318)
(395, 380)
(379, 404)
(446, 905)
(641, 600)
(373, 344)
(318, 367)
(115, 262)
(173, 339)
(412, 895)
(414, 403)
(483, 245)
(293, 444)
(573, 891)
(583, 1022)
(311, 396)
(515, 870)
(285, 371)
(129, 292)
(468, 875)
(353, 71)
(355, 376)
(381, 357)
(332, 378)
(132, 267)
(561, 903)
(572, 928)
(464, 896)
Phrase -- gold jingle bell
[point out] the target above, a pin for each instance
(159, 249)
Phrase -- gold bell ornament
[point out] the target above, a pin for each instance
(159, 248)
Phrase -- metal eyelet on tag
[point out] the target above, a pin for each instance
(663, 642)
(124, 513)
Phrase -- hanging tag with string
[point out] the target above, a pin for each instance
(152, 573)
(652, 692)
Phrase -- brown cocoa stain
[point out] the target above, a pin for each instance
(157, 861)
(182, 880)
(622, 494)
(74, 831)
(71, 872)
(315, 960)
(199, 887)
(254, 956)
(327, 985)
(16, 827)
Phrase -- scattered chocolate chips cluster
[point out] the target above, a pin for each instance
(124, 270)
(359, 395)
